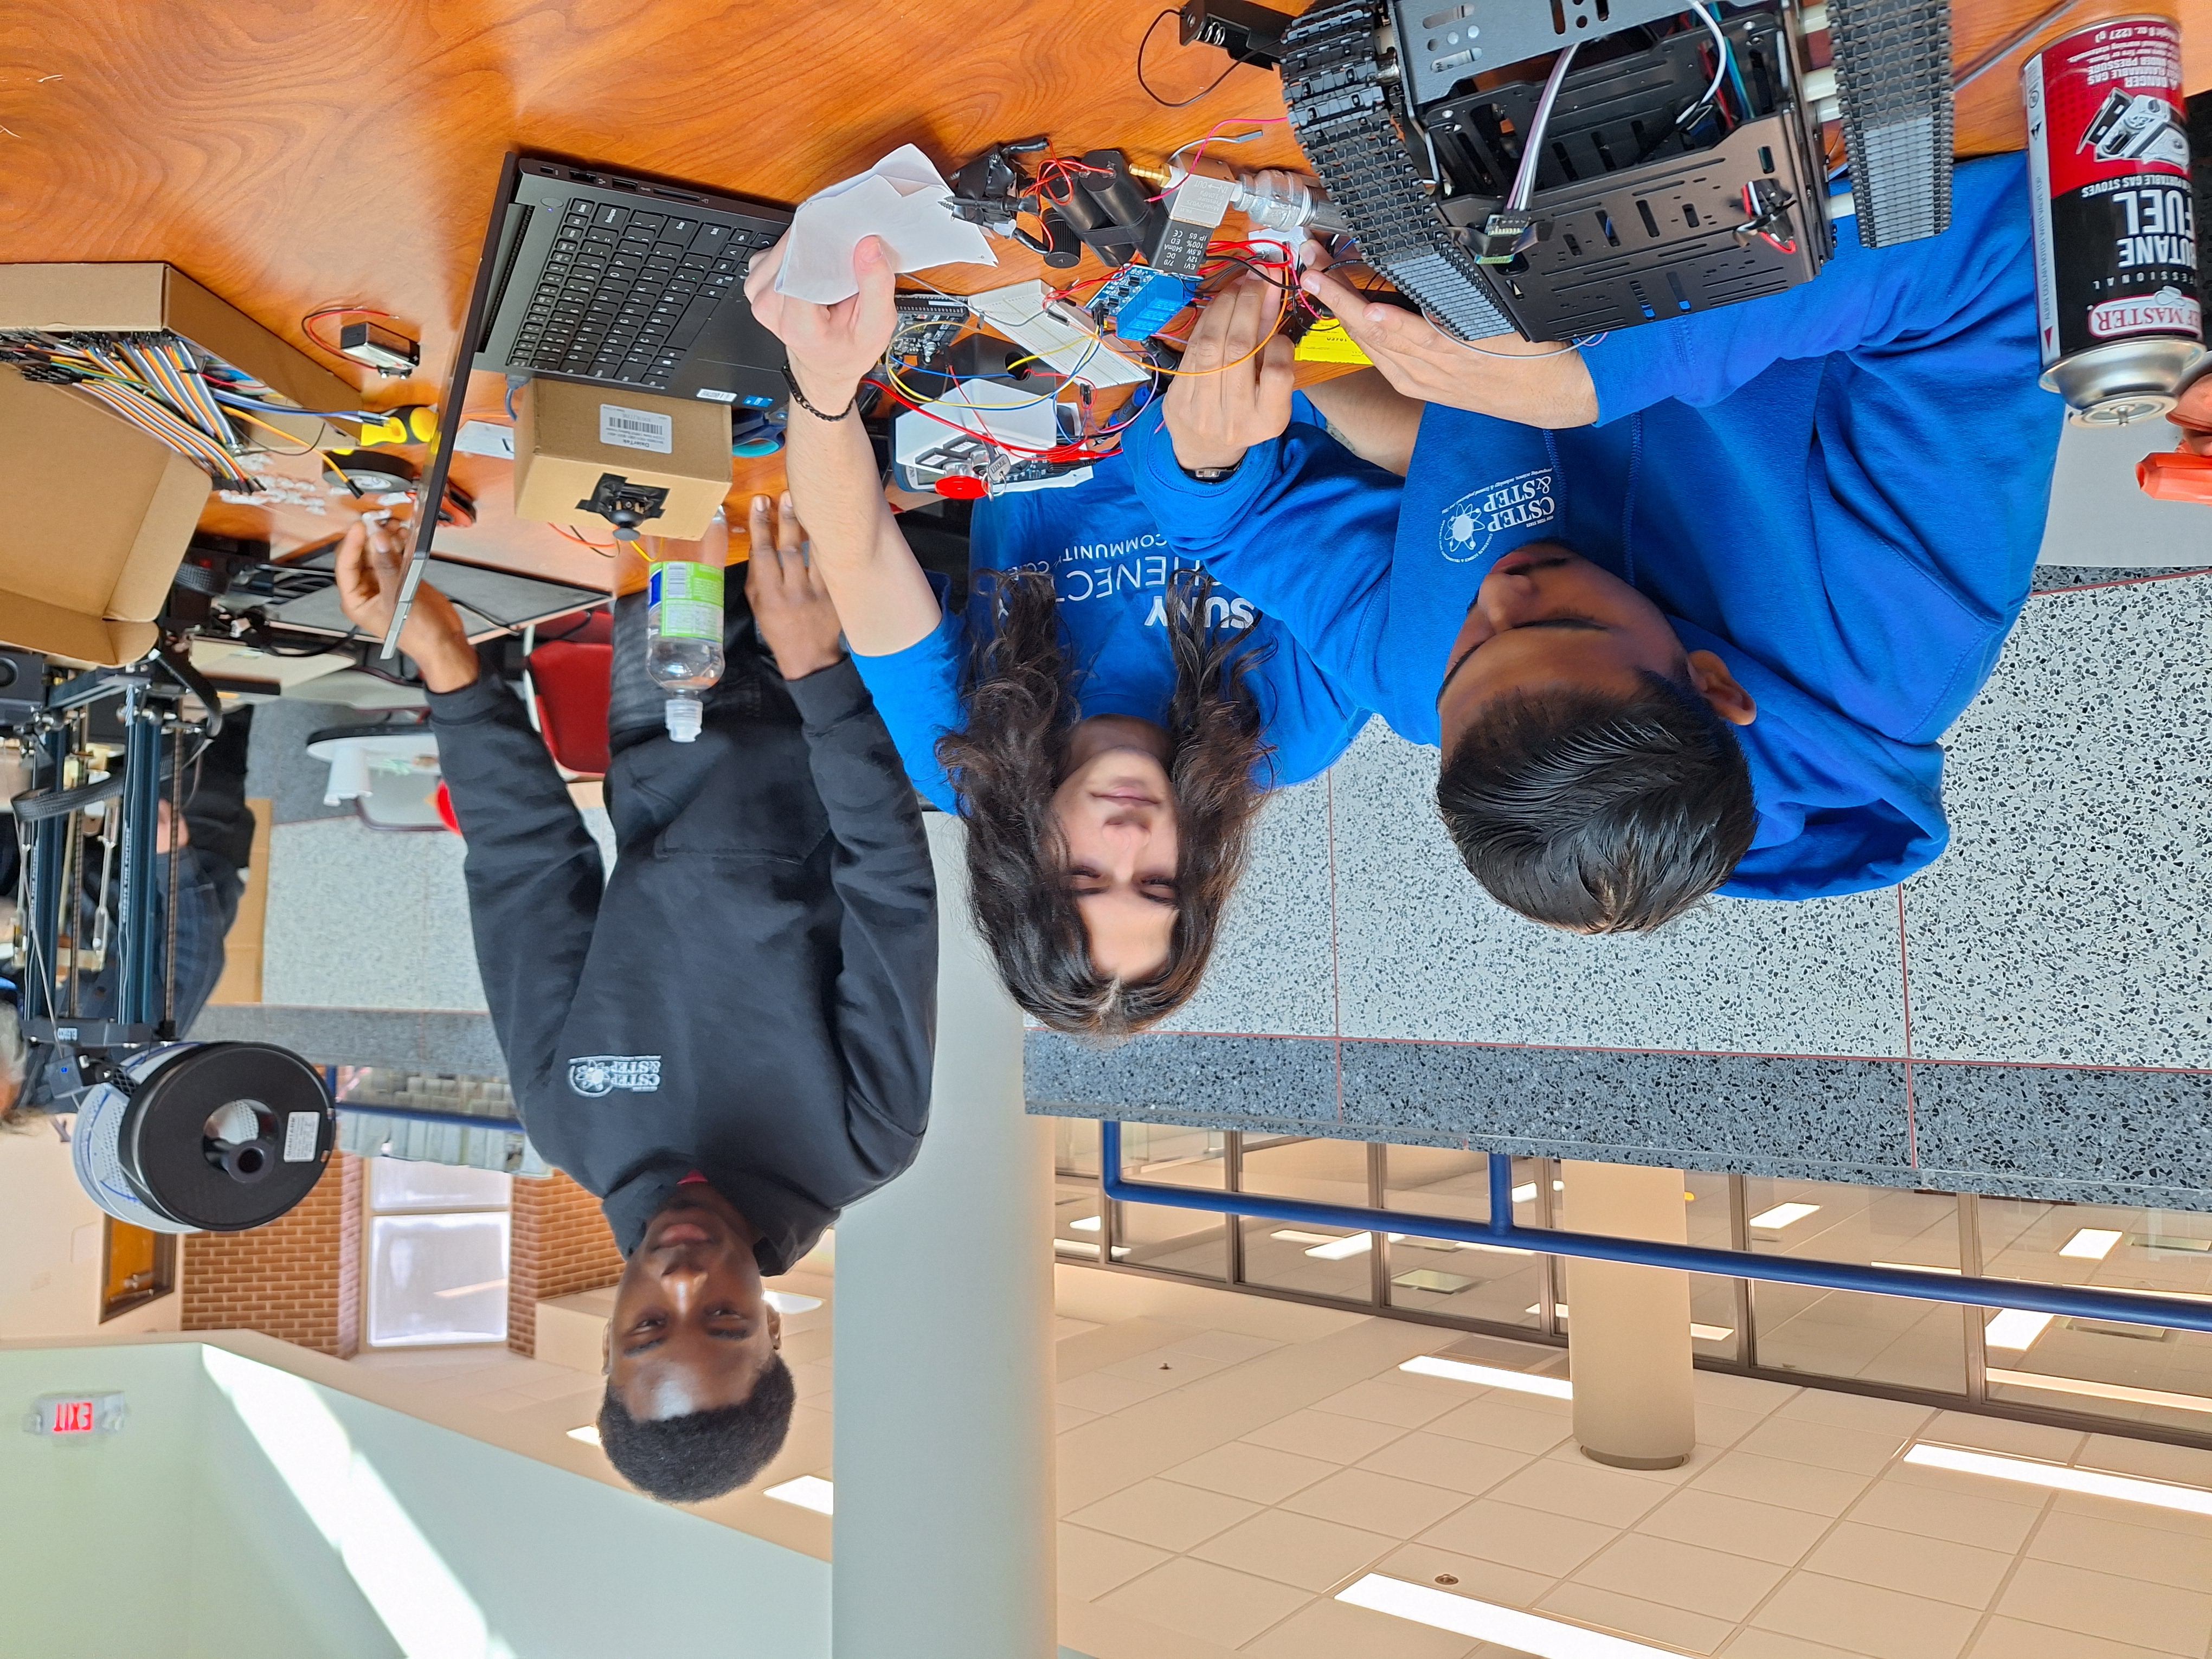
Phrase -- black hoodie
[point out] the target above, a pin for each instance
(750, 995)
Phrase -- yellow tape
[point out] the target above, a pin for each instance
(1326, 341)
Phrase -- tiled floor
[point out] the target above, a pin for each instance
(1795, 1532)
(1283, 1454)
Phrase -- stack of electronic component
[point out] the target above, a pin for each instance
(1137, 302)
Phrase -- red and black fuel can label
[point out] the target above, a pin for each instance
(2108, 165)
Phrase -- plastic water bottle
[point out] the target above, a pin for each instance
(683, 639)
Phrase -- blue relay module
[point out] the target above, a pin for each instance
(1140, 301)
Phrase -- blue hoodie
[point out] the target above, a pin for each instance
(1111, 565)
(1839, 491)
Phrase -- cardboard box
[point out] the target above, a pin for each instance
(83, 576)
(568, 437)
(152, 299)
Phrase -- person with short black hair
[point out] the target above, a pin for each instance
(1688, 609)
(728, 1036)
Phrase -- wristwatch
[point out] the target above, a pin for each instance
(1213, 474)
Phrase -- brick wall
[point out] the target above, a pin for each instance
(561, 1246)
(297, 1279)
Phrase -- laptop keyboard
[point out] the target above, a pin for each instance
(625, 292)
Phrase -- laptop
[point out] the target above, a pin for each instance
(591, 274)
(601, 277)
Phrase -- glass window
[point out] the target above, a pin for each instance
(438, 1243)
(2103, 1368)
(1878, 1339)
(1330, 1261)
(1155, 1236)
(1076, 1206)
(437, 1279)
(400, 1184)
(1493, 1283)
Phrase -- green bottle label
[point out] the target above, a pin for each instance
(686, 599)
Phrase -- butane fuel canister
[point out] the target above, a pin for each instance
(2117, 308)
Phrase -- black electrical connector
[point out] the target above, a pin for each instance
(1248, 33)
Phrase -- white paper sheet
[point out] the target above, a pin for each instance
(901, 199)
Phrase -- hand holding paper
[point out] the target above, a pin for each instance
(900, 199)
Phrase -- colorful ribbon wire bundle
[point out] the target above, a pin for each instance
(161, 384)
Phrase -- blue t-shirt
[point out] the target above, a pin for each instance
(1111, 565)
(1839, 491)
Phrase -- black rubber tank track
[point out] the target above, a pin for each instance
(1353, 129)
(1892, 62)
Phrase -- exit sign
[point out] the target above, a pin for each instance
(75, 1416)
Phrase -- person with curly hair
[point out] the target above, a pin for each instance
(1107, 717)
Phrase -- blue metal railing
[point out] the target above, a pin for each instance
(2071, 1301)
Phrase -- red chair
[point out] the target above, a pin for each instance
(573, 679)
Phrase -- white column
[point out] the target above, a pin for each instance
(1628, 1328)
(943, 1544)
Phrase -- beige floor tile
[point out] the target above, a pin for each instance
(1772, 1644)
(1062, 1328)
(1911, 1562)
(1723, 1425)
(1530, 1538)
(1171, 1366)
(1232, 1345)
(2186, 1464)
(1860, 1451)
(1494, 1422)
(503, 1400)
(1096, 1391)
(2102, 1604)
(1631, 1615)
(1743, 1393)
(1765, 1532)
(1325, 1435)
(2014, 1639)
(1998, 1434)
(1243, 1470)
(1296, 1549)
(1862, 1618)
(1964, 1517)
(1578, 1488)
(1855, 1411)
(2017, 1493)
(1165, 1515)
(1677, 1575)
(1332, 1629)
(1092, 1563)
(1212, 1603)
(1066, 1416)
(1463, 1466)
(1788, 1486)
(2133, 1515)
(1380, 1402)
(1466, 1575)
(1378, 1502)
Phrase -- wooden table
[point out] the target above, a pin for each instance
(296, 153)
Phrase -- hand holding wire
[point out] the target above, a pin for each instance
(370, 572)
(1233, 390)
(832, 348)
(1544, 385)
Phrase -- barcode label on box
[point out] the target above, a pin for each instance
(636, 428)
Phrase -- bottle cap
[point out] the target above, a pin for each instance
(2180, 476)
(684, 715)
